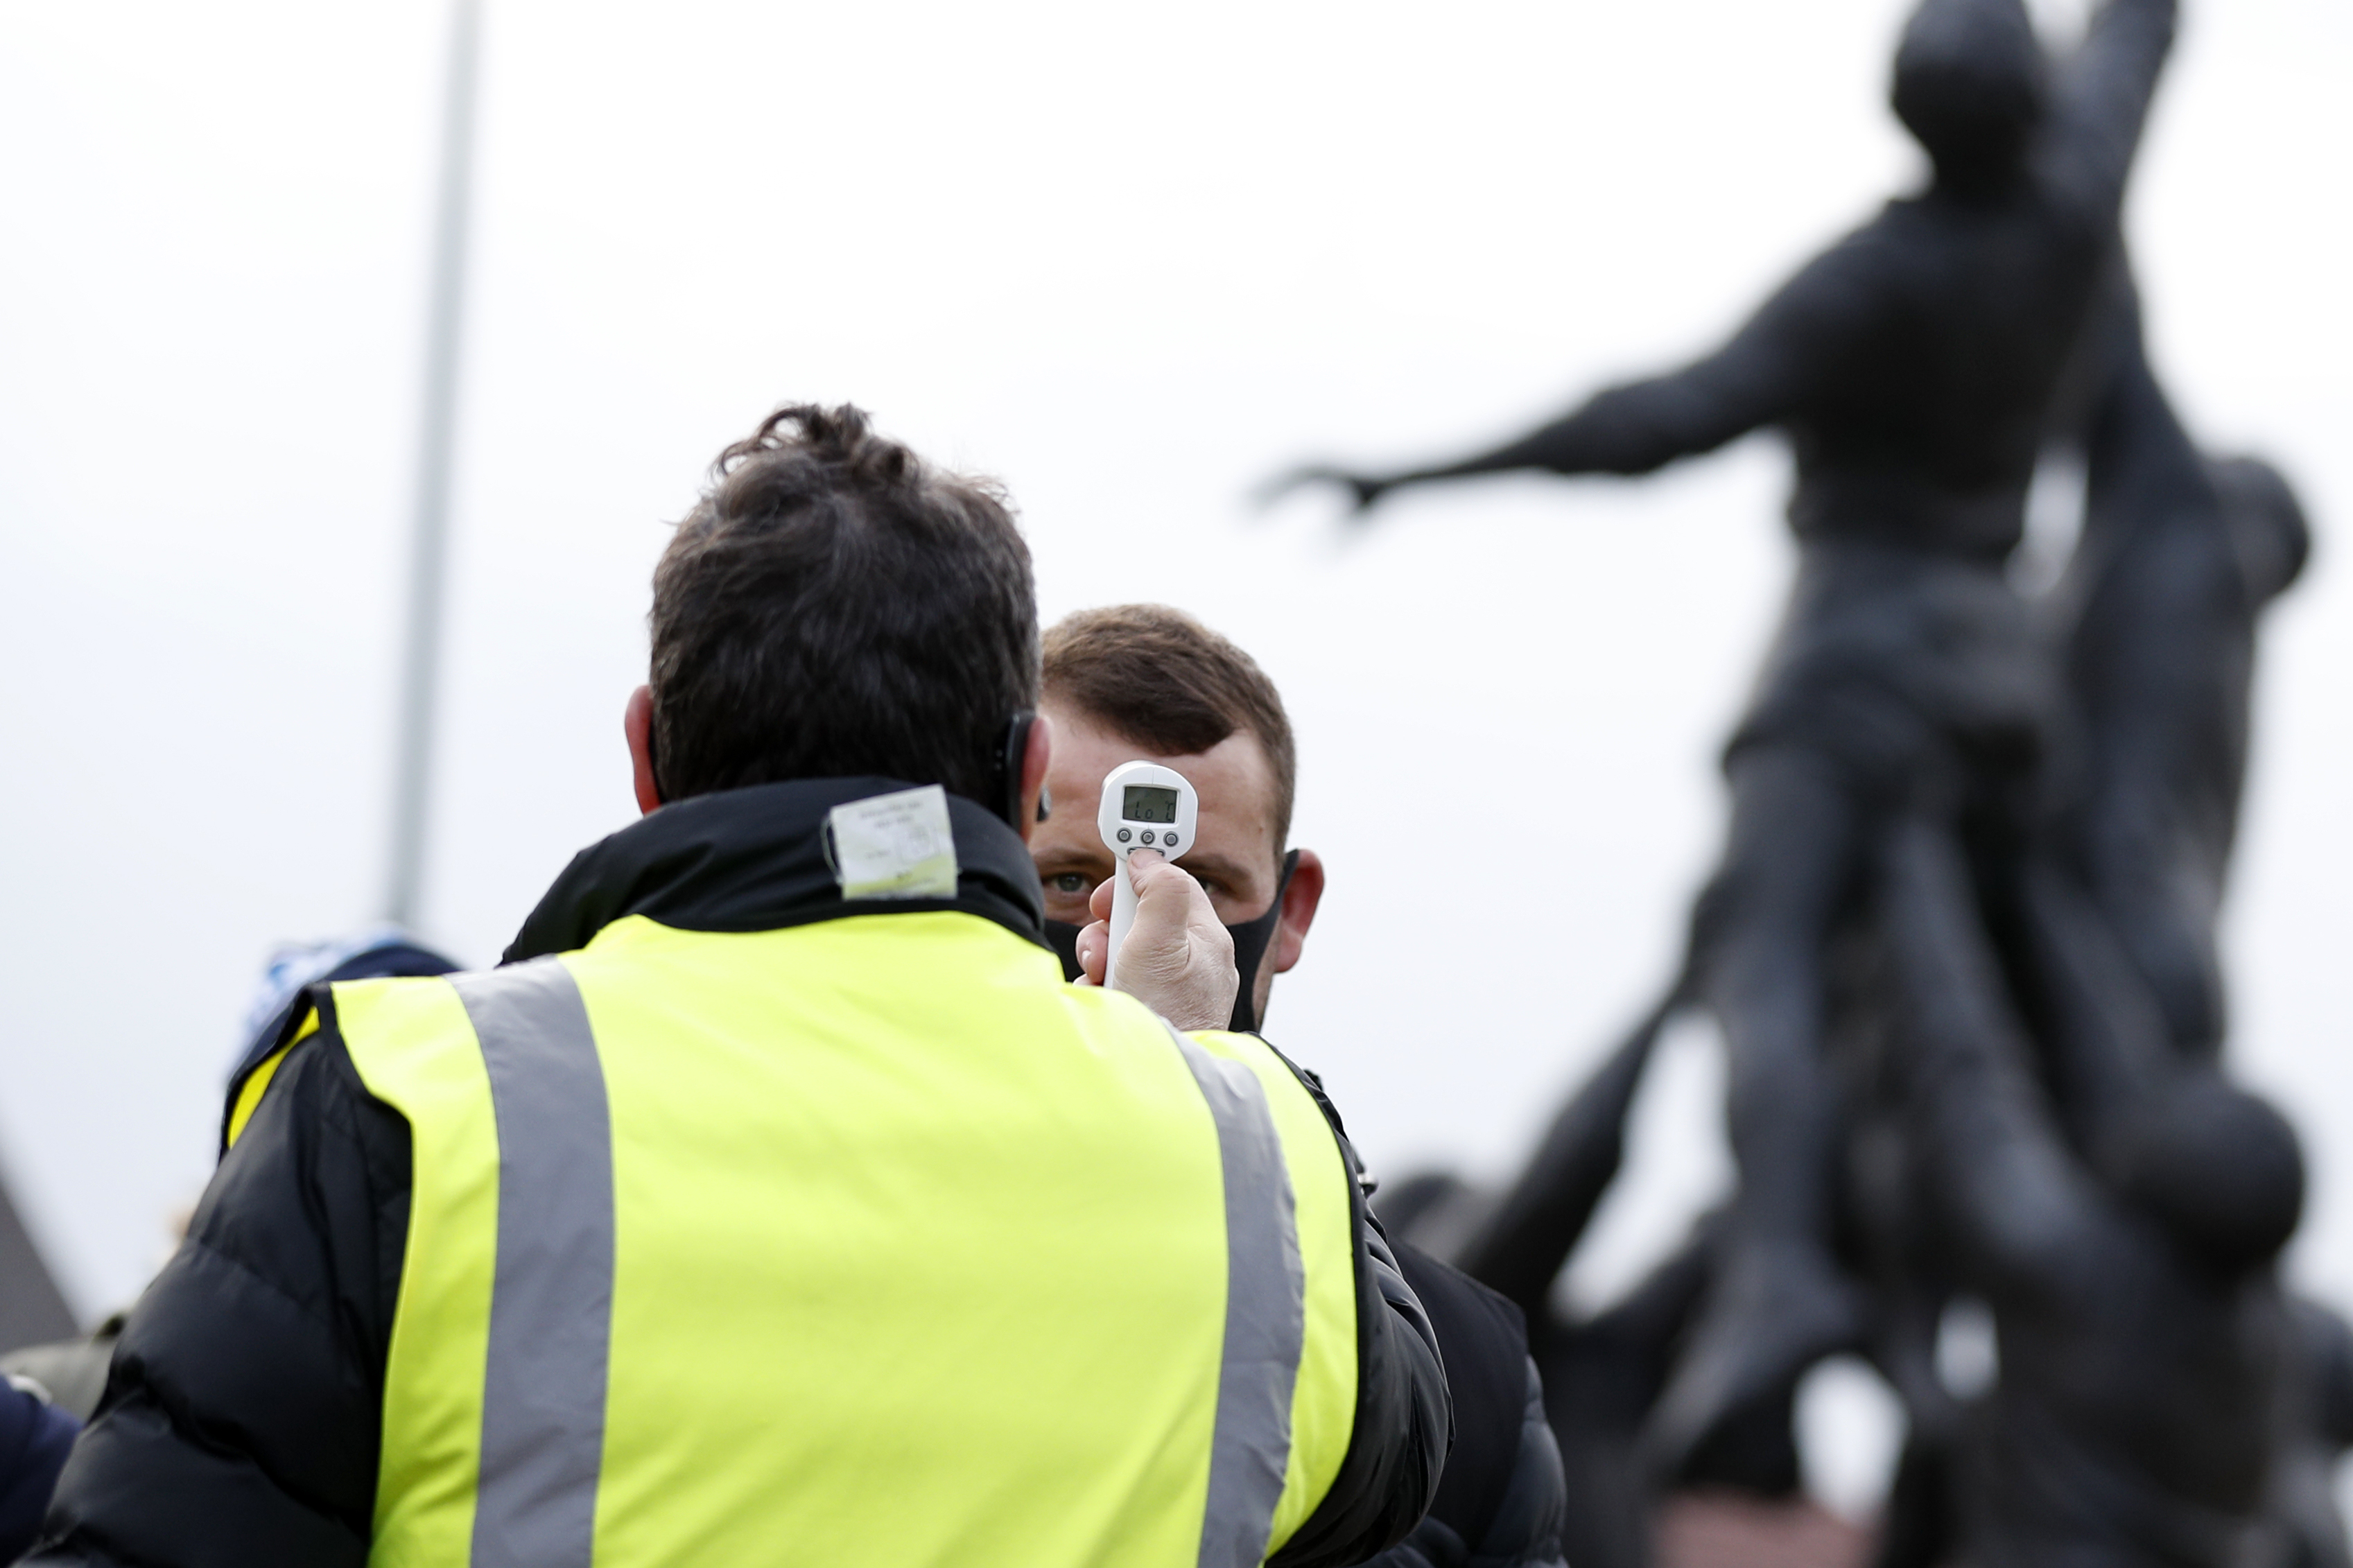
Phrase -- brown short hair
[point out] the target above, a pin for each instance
(834, 607)
(1159, 677)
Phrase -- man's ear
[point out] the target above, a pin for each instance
(1300, 900)
(638, 724)
(1036, 757)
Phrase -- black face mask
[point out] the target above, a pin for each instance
(1250, 948)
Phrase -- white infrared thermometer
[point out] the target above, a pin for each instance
(1144, 807)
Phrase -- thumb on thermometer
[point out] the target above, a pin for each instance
(1178, 960)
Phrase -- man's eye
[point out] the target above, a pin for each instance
(1070, 882)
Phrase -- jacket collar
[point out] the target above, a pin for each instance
(754, 859)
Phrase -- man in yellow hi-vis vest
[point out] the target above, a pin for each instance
(776, 1202)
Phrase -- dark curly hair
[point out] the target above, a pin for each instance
(834, 607)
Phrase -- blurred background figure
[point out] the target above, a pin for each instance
(380, 953)
(72, 1368)
(35, 1438)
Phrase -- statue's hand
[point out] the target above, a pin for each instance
(1367, 489)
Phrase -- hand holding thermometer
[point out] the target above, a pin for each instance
(1144, 807)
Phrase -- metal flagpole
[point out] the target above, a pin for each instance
(428, 552)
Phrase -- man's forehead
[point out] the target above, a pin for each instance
(1234, 776)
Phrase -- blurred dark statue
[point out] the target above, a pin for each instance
(2180, 555)
(2053, 1053)
(1913, 368)
(1962, 946)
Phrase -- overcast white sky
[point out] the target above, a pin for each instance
(1128, 258)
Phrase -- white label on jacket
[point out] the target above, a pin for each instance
(894, 846)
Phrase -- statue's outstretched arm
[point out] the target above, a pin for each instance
(2099, 103)
(1767, 371)
(2022, 1208)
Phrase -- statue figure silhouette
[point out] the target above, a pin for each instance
(2060, 1017)
(2028, 1007)
(2180, 555)
(1913, 369)
(2145, 1340)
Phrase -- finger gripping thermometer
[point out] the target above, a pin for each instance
(1144, 807)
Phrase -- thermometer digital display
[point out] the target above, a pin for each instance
(1148, 802)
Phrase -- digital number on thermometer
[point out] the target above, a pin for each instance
(1149, 802)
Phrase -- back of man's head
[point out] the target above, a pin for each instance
(1160, 679)
(2217, 1167)
(1969, 86)
(836, 607)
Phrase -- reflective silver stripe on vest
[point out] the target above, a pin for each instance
(1266, 1316)
(552, 1296)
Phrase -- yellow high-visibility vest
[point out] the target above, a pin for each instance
(867, 1241)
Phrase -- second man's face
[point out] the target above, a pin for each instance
(1234, 855)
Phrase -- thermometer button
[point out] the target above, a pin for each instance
(1147, 835)
(1170, 841)
(1124, 835)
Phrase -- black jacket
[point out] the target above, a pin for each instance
(1502, 1498)
(35, 1435)
(241, 1418)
